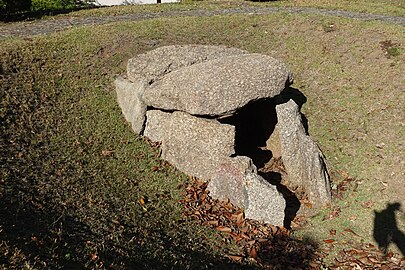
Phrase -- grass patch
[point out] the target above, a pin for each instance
(384, 7)
(72, 169)
(387, 7)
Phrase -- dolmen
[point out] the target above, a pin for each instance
(225, 115)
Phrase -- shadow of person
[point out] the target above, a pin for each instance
(386, 230)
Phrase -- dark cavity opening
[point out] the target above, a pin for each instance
(254, 124)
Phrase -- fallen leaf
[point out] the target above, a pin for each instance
(308, 205)
(329, 241)
(224, 229)
(370, 245)
(239, 218)
(212, 222)
(93, 256)
(116, 222)
(385, 184)
(332, 232)
(351, 231)
(334, 213)
(107, 153)
(253, 253)
(251, 242)
(236, 258)
(244, 229)
(368, 204)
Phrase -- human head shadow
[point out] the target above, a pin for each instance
(386, 230)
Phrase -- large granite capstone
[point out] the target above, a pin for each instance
(200, 103)
(155, 64)
(220, 86)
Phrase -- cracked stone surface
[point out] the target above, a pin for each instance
(236, 179)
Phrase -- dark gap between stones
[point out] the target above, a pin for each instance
(254, 124)
(292, 202)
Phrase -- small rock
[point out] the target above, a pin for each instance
(129, 97)
(380, 145)
(236, 179)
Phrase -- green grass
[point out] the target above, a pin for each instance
(74, 172)
(59, 117)
(388, 7)
(385, 7)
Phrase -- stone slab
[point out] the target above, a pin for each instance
(302, 158)
(194, 145)
(154, 64)
(219, 87)
(129, 97)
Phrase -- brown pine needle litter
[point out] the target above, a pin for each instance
(273, 247)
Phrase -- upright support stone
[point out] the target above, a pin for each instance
(194, 145)
(302, 158)
(157, 125)
(264, 202)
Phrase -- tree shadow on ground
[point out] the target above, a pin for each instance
(386, 230)
(53, 240)
(35, 15)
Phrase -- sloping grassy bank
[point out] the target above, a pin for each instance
(79, 189)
